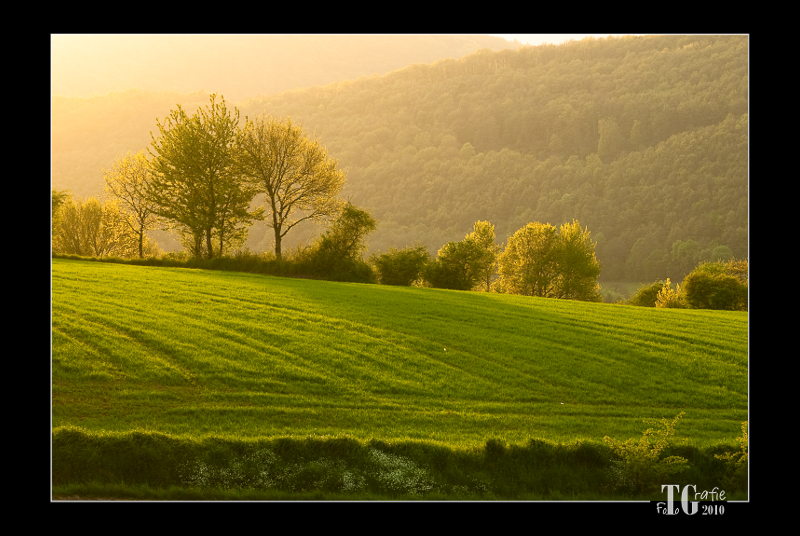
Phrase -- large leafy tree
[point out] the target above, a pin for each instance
(298, 178)
(527, 265)
(577, 265)
(483, 234)
(197, 183)
(127, 182)
(541, 260)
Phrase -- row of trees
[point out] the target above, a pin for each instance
(206, 171)
(201, 180)
(95, 228)
(539, 260)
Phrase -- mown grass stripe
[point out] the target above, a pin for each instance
(375, 358)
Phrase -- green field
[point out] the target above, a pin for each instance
(197, 354)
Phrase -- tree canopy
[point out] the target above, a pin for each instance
(465, 264)
(717, 285)
(92, 228)
(197, 183)
(543, 261)
(295, 174)
(127, 182)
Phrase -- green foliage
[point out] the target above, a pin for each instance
(401, 267)
(127, 182)
(59, 198)
(340, 249)
(295, 174)
(685, 255)
(684, 162)
(669, 298)
(717, 285)
(638, 466)
(736, 464)
(149, 465)
(346, 236)
(483, 234)
(464, 265)
(577, 263)
(647, 295)
(95, 229)
(527, 266)
(458, 266)
(540, 260)
(196, 182)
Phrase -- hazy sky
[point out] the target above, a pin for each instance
(84, 64)
(538, 39)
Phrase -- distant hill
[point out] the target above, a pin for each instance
(642, 139)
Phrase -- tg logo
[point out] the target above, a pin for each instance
(671, 509)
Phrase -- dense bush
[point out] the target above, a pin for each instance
(348, 467)
(459, 266)
(545, 261)
(646, 295)
(639, 467)
(401, 267)
(337, 255)
(717, 285)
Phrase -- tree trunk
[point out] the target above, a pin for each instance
(277, 245)
(277, 227)
(141, 244)
(209, 244)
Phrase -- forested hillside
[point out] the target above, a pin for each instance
(642, 139)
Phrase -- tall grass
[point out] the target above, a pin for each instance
(138, 464)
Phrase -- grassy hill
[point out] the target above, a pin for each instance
(217, 356)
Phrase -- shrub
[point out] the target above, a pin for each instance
(736, 477)
(337, 255)
(717, 285)
(668, 298)
(458, 266)
(647, 295)
(401, 267)
(638, 467)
